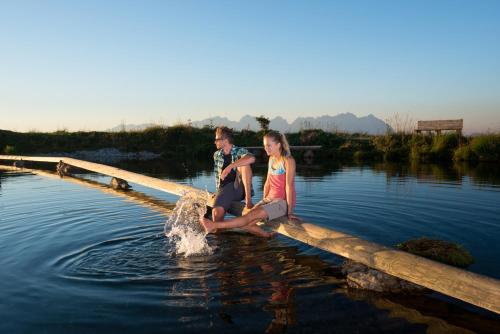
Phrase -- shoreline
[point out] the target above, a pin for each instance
(187, 142)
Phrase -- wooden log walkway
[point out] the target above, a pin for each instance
(152, 203)
(151, 182)
(473, 288)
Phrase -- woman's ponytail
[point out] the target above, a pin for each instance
(285, 147)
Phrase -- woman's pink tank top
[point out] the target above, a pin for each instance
(277, 179)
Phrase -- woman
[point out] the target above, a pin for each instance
(279, 190)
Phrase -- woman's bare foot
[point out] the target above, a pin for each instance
(208, 225)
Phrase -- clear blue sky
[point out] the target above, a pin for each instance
(90, 65)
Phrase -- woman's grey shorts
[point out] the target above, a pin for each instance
(228, 194)
(274, 208)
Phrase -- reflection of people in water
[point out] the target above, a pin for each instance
(247, 278)
(281, 302)
(279, 190)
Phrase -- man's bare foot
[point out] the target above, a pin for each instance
(207, 224)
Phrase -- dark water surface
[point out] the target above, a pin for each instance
(76, 257)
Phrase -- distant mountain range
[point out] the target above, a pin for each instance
(345, 122)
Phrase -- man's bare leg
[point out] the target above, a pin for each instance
(218, 213)
(246, 177)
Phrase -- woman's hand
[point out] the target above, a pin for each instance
(291, 216)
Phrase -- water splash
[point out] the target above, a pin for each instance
(183, 228)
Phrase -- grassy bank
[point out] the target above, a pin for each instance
(186, 141)
(480, 148)
(169, 141)
(442, 148)
(178, 141)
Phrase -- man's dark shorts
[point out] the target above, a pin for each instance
(228, 194)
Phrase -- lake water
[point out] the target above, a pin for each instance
(77, 257)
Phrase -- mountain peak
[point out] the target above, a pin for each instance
(344, 122)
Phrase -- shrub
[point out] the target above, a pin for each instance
(9, 150)
(486, 147)
(420, 147)
(393, 146)
(465, 153)
(361, 155)
(311, 137)
(443, 146)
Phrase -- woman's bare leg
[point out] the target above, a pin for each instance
(254, 215)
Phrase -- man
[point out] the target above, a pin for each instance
(233, 175)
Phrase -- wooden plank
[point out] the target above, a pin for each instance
(473, 288)
(454, 124)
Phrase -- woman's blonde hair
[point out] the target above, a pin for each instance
(280, 138)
